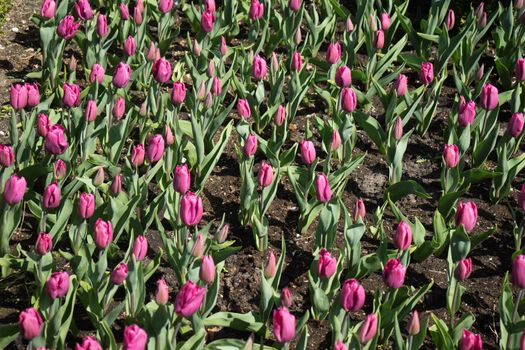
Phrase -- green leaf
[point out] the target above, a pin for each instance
(459, 244)
(242, 322)
(403, 188)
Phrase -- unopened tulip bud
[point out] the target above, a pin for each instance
(283, 322)
(168, 135)
(162, 292)
(265, 175)
(368, 329)
(294, 5)
(479, 10)
(451, 155)
(222, 234)
(467, 112)
(275, 62)
(403, 236)
(99, 177)
(349, 25)
(326, 264)
(270, 268)
(198, 247)
(359, 210)
(165, 6)
(224, 47)
(308, 153)
(297, 61)
(119, 108)
(373, 23)
(42, 124)
(348, 99)
(137, 155)
(181, 179)
(201, 93)
(216, 86)
(135, 338)
(137, 16)
(394, 273)
(103, 233)
(518, 271)
(467, 215)
(413, 326)
(259, 68)
(211, 69)
(298, 36)
(352, 297)
(209, 101)
(256, 10)
(333, 53)
(161, 70)
(515, 125)
(122, 75)
(191, 209)
(178, 93)
(51, 197)
(250, 145)
(14, 189)
(155, 148)
(33, 94)
(90, 113)
(207, 270)
(102, 25)
(450, 20)
(286, 298)
(336, 140)
(119, 274)
(116, 185)
(47, 10)
(401, 85)
(86, 205)
(482, 22)
(196, 48)
(140, 248)
(518, 4)
(151, 55)
(520, 69)
(129, 46)
(243, 108)
(207, 21)
(339, 345)
(385, 21)
(88, 343)
(463, 269)
(480, 72)
(343, 76)
(470, 341)
(18, 94)
(398, 129)
(426, 74)
(7, 156)
(83, 9)
(322, 188)
(43, 244)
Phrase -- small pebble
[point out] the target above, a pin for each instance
(14, 29)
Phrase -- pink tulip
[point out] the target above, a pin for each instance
(464, 269)
(451, 155)
(216, 86)
(137, 16)
(18, 94)
(349, 25)
(352, 296)
(339, 345)
(294, 5)
(427, 73)
(196, 48)
(413, 325)
(191, 209)
(467, 215)
(102, 25)
(489, 97)
(14, 189)
(467, 112)
(348, 99)
(470, 341)
(250, 145)
(99, 177)
(403, 236)
(243, 108)
(119, 108)
(480, 72)
(165, 6)
(259, 68)
(359, 210)
(271, 267)
(47, 10)
(256, 10)
(275, 62)
(198, 247)
(265, 175)
(283, 325)
(322, 188)
(55, 141)
(119, 274)
(209, 5)
(222, 234)
(33, 94)
(135, 338)
(343, 76)
(178, 93)
(482, 22)
(286, 298)
(67, 27)
(189, 299)
(518, 4)
(122, 75)
(297, 61)
(42, 124)
(336, 140)
(124, 11)
(90, 113)
(83, 9)
(207, 270)
(326, 265)
(51, 197)
(137, 155)
(181, 178)
(88, 343)
(103, 233)
(71, 96)
(97, 74)
(224, 47)
(333, 53)
(480, 9)
(30, 323)
(520, 69)
(518, 272)
(86, 205)
(116, 185)
(394, 273)
(307, 151)
(368, 329)
(161, 70)
(7, 156)
(379, 39)
(162, 292)
(515, 125)
(207, 21)
(280, 115)
(129, 46)
(385, 21)
(57, 285)
(59, 169)
(450, 20)
(140, 248)
(43, 243)
(401, 85)
(155, 148)
(398, 129)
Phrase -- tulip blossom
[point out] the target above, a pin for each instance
(394, 273)
(352, 295)
(189, 299)
(30, 323)
(43, 243)
(403, 236)
(368, 329)
(243, 108)
(207, 269)
(259, 68)
(207, 21)
(135, 338)
(57, 285)
(67, 27)
(467, 112)
(265, 176)
(283, 325)
(307, 151)
(42, 124)
(467, 215)
(379, 39)
(181, 178)
(489, 97)
(294, 5)
(140, 248)
(348, 99)
(470, 341)
(33, 94)
(102, 25)
(122, 75)
(103, 233)
(155, 148)
(119, 274)
(198, 247)
(520, 69)
(165, 6)
(463, 269)
(162, 292)
(401, 85)
(137, 155)
(336, 140)
(7, 157)
(322, 188)
(359, 210)
(90, 113)
(515, 125)
(88, 343)
(413, 325)
(119, 108)
(178, 93)
(191, 209)
(161, 70)
(427, 73)
(326, 264)
(286, 298)
(450, 20)
(343, 76)
(451, 155)
(297, 62)
(48, 8)
(280, 115)
(18, 94)
(256, 10)
(333, 53)
(270, 268)
(385, 21)
(14, 189)
(518, 272)
(83, 9)
(86, 205)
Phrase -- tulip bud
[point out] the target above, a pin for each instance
(450, 20)
(119, 108)
(222, 234)
(103, 233)
(280, 116)
(451, 155)
(333, 53)
(522, 340)
(401, 85)
(122, 75)
(18, 94)
(7, 156)
(181, 179)
(137, 16)
(97, 74)
(283, 323)
(518, 4)
(489, 97)
(67, 27)
(162, 292)
(55, 141)
(116, 185)
(86, 205)
(33, 94)
(259, 68)
(90, 113)
(216, 86)
(43, 124)
(398, 129)
(359, 210)
(520, 69)
(373, 23)
(250, 145)
(198, 247)
(102, 25)
(135, 338)
(243, 108)
(470, 341)
(413, 326)
(140, 248)
(189, 299)
(385, 21)
(482, 22)
(403, 236)
(207, 270)
(51, 197)
(297, 62)
(275, 62)
(57, 285)
(480, 72)
(322, 188)
(47, 10)
(336, 140)
(178, 93)
(165, 6)
(129, 46)
(270, 268)
(119, 274)
(348, 99)
(196, 48)
(71, 96)
(307, 151)
(349, 25)
(339, 345)
(190, 209)
(518, 271)
(161, 70)
(326, 264)
(151, 55)
(88, 343)
(479, 10)
(515, 125)
(207, 21)
(14, 189)
(467, 112)
(137, 155)
(83, 9)
(265, 176)
(256, 10)
(286, 298)
(155, 148)
(352, 296)
(463, 269)
(521, 198)
(143, 111)
(379, 39)
(168, 135)
(99, 177)
(43, 243)
(427, 73)
(368, 329)
(343, 76)
(30, 323)
(294, 5)
(467, 215)
(394, 273)
(59, 169)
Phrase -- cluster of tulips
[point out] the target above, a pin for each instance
(114, 139)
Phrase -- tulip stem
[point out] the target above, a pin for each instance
(286, 345)
(520, 234)
(409, 342)
(178, 322)
(453, 306)
(514, 317)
